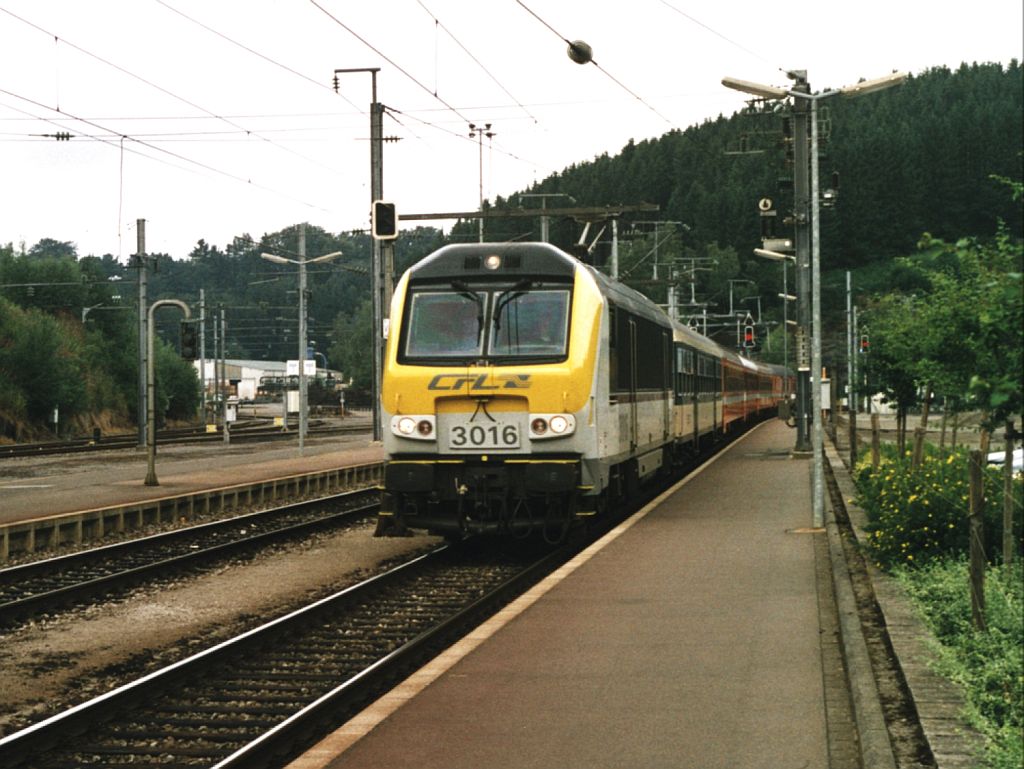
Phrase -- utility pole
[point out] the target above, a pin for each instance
(202, 349)
(224, 373)
(382, 258)
(303, 391)
(851, 368)
(139, 262)
(478, 133)
(802, 241)
(545, 220)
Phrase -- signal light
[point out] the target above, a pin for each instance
(864, 344)
(748, 336)
(384, 221)
(189, 339)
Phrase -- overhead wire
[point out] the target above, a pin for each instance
(497, 82)
(718, 34)
(115, 137)
(593, 61)
(254, 52)
(386, 58)
(159, 88)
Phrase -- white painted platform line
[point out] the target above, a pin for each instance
(360, 725)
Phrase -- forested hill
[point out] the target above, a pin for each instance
(916, 158)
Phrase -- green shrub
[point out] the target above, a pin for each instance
(988, 665)
(917, 515)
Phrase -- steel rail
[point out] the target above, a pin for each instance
(117, 721)
(193, 545)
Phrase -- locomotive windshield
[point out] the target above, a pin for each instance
(445, 324)
(522, 322)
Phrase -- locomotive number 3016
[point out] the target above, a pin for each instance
(489, 436)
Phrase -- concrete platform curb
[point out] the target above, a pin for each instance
(954, 744)
(875, 747)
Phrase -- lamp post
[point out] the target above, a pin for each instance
(478, 133)
(302, 261)
(804, 99)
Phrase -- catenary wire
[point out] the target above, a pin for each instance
(160, 88)
(475, 59)
(605, 72)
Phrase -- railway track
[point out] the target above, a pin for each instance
(264, 696)
(257, 430)
(42, 586)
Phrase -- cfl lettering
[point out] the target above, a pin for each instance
(479, 382)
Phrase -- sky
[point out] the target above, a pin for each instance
(211, 120)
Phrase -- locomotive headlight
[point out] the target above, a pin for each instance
(492, 262)
(413, 426)
(544, 426)
(559, 424)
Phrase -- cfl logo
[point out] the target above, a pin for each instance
(478, 383)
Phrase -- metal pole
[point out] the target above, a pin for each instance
(140, 264)
(376, 193)
(302, 337)
(380, 280)
(615, 247)
(851, 372)
(480, 221)
(202, 349)
(785, 327)
(224, 373)
(803, 268)
(818, 506)
(151, 390)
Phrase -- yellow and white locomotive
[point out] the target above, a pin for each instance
(523, 389)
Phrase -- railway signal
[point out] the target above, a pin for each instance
(864, 344)
(189, 339)
(384, 221)
(748, 336)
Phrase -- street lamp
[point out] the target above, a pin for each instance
(801, 93)
(302, 261)
(478, 133)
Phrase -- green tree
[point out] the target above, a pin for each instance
(352, 349)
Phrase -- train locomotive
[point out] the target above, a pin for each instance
(524, 390)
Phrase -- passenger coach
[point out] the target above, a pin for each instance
(523, 389)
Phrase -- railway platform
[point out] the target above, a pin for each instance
(700, 633)
(64, 484)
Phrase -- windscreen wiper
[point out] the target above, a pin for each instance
(505, 297)
(463, 290)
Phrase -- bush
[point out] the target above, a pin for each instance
(917, 515)
(988, 665)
